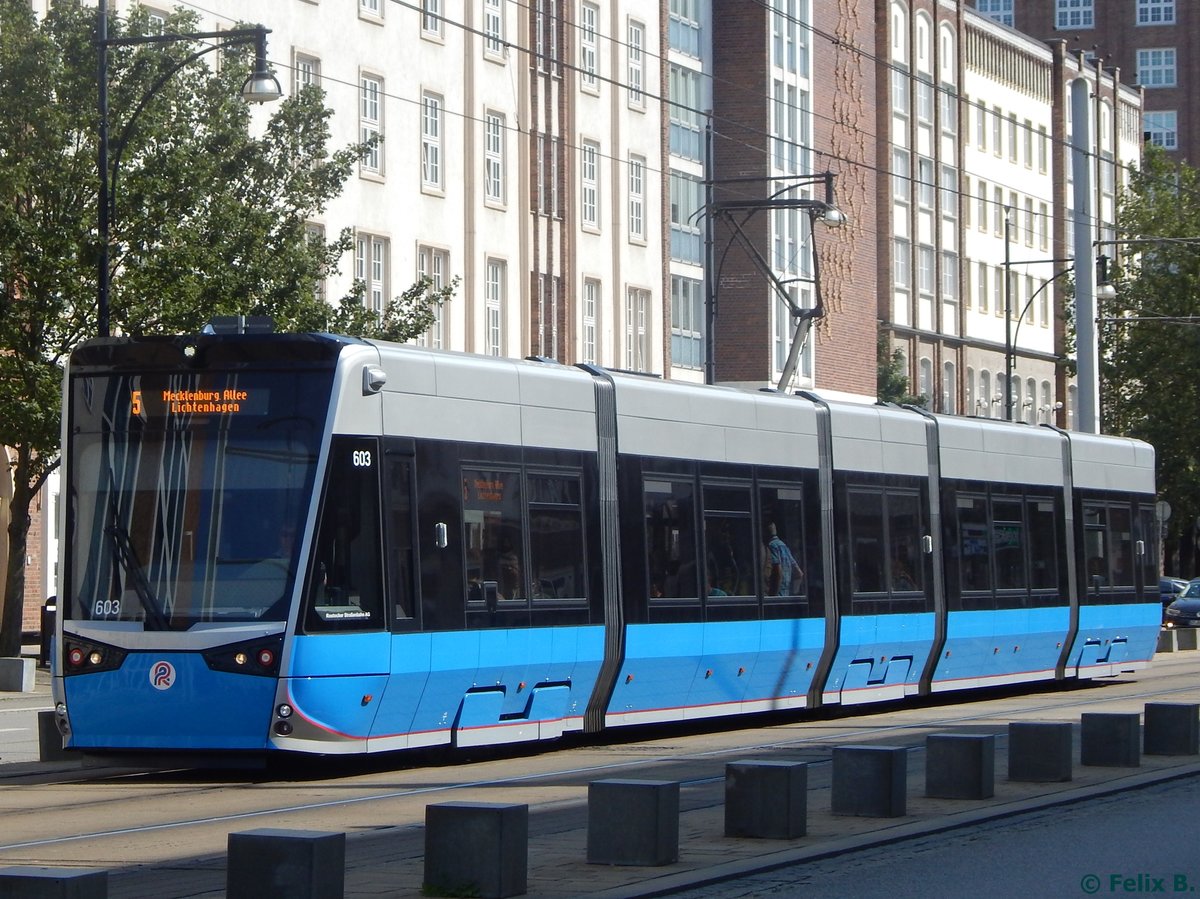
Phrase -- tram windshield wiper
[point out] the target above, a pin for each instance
(125, 556)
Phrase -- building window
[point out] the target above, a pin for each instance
(370, 118)
(981, 127)
(637, 331)
(637, 198)
(493, 28)
(1012, 137)
(998, 211)
(1156, 67)
(308, 72)
(925, 185)
(1000, 10)
(371, 8)
(984, 403)
(371, 268)
(687, 196)
(997, 131)
(687, 322)
(949, 389)
(984, 285)
(589, 180)
(1075, 14)
(588, 65)
(434, 265)
(591, 301)
(493, 157)
(1161, 129)
(431, 141)
(1156, 12)
(1043, 149)
(683, 29)
(924, 102)
(431, 18)
(684, 92)
(981, 216)
(493, 307)
(900, 100)
(635, 74)
(901, 190)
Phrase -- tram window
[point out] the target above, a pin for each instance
(1120, 535)
(1008, 540)
(1148, 534)
(1095, 551)
(669, 508)
(400, 539)
(345, 586)
(866, 541)
(783, 520)
(1043, 544)
(492, 536)
(728, 541)
(556, 537)
(974, 546)
(905, 561)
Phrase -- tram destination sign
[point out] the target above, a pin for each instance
(221, 401)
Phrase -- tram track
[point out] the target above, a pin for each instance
(45, 816)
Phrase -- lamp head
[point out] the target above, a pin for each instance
(261, 86)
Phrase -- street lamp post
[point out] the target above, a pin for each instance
(1103, 291)
(260, 87)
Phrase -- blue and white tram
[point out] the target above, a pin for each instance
(327, 545)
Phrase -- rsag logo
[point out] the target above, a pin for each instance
(162, 675)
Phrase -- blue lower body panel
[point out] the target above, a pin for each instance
(1002, 646)
(1114, 638)
(678, 671)
(879, 657)
(168, 701)
(425, 689)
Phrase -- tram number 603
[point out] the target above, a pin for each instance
(361, 458)
(107, 607)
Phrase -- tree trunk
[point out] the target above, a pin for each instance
(14, 575)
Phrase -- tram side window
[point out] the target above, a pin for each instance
(556, 549)
(1120, 537)
(728, 541)
(905, 561)
(1148, 529)
(1043, 544)
(783, 523)
(1095, 522)
(400, 539)
(669, 509)
(1008, 540)
(345, 585)
(974, 545)
(492, 536)
(866, 541)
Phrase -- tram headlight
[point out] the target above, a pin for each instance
(240, 658)
(259, 657)
(95, 657)
(89, 657)
(284, 710)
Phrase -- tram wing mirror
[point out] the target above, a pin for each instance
(927, 544)
(441, 535)
(491, 595)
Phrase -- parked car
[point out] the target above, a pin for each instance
(1169, 589)
(1185, 611)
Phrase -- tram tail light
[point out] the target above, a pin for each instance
(259, 657)
(88, 657)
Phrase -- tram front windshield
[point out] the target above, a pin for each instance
(189, 494)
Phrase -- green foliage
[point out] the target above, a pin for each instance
(1150, 334)
(207, 218)
(892, 385)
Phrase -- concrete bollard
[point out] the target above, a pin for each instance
(476, 849)
(32, 882)
(1166, 641)
(960, 766)
(1172, 728)
(870, 781)
(271, 863)
(16, 675)
(1110, 739)
(1185, 638)
(633, 822)
(1039, 751)
(766, 799)
(50, 741)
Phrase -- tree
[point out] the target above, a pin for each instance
(892, 383)
(208, 219)
(1150, 338)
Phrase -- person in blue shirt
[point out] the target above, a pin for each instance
(784, 575)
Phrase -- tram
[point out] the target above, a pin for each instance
(316, 544)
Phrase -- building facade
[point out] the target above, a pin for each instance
(1141, 42)
(979, 219)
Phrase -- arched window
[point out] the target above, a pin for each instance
(949, 389)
